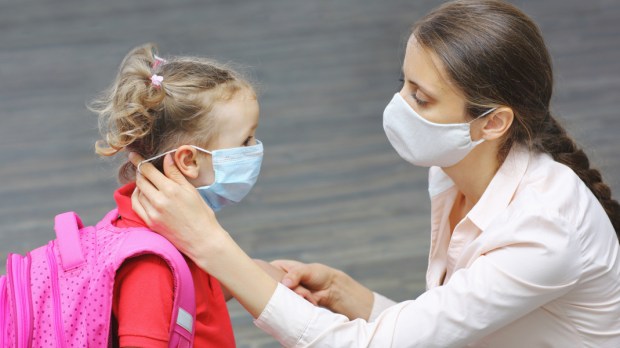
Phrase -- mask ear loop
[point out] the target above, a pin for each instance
(479, 141)
(167, 152)
(152, 159)
(201, 149)
(482, 115)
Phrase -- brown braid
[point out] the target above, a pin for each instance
(554, 140)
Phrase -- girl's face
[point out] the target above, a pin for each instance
(236, 121)
(427, 88)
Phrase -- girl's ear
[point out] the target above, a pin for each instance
(185, 160)
(497, 123)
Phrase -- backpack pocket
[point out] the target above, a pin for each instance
(53, 269)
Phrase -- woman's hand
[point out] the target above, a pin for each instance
(327, 287)
(171, 205)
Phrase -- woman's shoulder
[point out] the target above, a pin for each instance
(551, 193)
(551, 188)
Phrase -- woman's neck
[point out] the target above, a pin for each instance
(474, 173)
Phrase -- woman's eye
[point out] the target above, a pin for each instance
(419, 101)
(247, 141)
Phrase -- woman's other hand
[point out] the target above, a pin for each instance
(327, 287)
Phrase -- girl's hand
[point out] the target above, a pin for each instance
(327, 287)
(171, 206)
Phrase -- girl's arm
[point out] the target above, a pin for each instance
(143, 301)
(274, 272)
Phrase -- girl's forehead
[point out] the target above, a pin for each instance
(239, 111)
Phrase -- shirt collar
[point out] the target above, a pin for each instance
(127, 217)
(501, 189)
(497, 195)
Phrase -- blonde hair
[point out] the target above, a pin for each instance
(148, 118)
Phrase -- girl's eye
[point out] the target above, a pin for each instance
(247, 141)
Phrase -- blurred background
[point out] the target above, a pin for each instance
(332, 190)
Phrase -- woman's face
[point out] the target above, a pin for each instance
(427, 88)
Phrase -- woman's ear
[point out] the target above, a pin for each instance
(185, 160)
(497, 123)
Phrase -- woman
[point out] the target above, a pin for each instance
(524, 246)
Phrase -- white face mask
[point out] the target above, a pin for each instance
(424, 143)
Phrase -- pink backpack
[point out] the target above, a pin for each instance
(60, 294)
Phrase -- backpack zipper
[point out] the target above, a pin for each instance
(60, 332)
(3, 310)
(19, 281)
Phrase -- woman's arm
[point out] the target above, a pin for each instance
(156, 200)
(497, 289)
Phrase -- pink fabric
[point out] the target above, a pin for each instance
(68, 241)
(72, 308)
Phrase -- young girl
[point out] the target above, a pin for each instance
(206, 116)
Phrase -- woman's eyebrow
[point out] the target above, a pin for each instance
(424, 90)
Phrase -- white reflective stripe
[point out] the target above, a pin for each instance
(185, 320)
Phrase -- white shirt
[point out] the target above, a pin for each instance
(535, 263)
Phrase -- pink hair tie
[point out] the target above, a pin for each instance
(158, 61)
(156, 80)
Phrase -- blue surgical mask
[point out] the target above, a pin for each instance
(236, 171)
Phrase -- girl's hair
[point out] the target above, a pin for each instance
(140, 114)
(496, 55)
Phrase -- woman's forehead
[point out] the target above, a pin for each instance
(423, 66)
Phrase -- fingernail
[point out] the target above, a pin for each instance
(287, 282)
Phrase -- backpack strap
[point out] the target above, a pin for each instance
(140, 242)
(67, 227)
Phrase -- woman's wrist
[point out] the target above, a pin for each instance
(350, 297)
